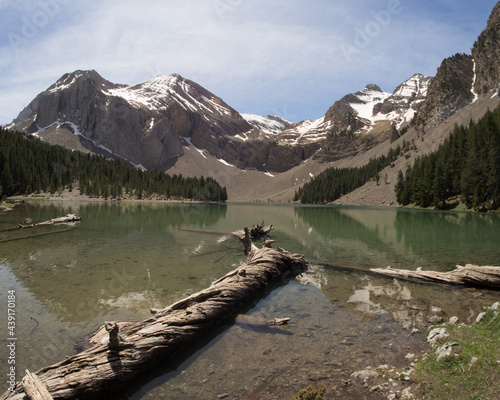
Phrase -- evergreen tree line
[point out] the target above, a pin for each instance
(28, 165)
(334, 183)
(466, 167)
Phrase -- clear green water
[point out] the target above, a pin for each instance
(124, 259)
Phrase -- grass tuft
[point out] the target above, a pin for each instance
(473, 371)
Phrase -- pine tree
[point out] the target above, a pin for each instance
(466, 164)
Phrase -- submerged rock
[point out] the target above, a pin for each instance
(364, 374)
(435, 319)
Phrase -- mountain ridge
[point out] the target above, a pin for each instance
(156, 123)
(181, 108)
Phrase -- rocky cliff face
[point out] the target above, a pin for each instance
(486, 54)
(449, 91)
(83, 101)
(462, 78)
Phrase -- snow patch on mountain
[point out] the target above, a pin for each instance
(474, 82)
(415, 87)
(368, 97)
(309, 130)
(201, 151)
(270, 125)
(157, 93)
(65, 83)
(402, 105)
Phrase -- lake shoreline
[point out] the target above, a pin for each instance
(66, 195)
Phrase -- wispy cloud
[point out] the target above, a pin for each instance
(259, 56)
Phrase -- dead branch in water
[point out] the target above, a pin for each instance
(256, 232)
(470, 275)
(37, 235)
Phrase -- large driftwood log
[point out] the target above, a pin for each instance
(54, 221)
(124, 350)
(471, 275)
(28, 223)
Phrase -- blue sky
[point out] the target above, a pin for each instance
(292, 58)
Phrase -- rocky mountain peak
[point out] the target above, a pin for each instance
(414, 88)
(373, 88)
(80, 78)
(401, 106)
(170, 91)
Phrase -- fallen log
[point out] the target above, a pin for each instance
(123, 350)
(28, 222)
(470, 275)
(69, 218)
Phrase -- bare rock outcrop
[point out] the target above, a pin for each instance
(486, 54)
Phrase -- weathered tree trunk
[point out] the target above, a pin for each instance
(124, 350)
(471, 275)
(54, 221)
(28, 223)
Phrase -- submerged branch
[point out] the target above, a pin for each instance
(471, 275)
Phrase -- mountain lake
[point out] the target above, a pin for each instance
(124, 258)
